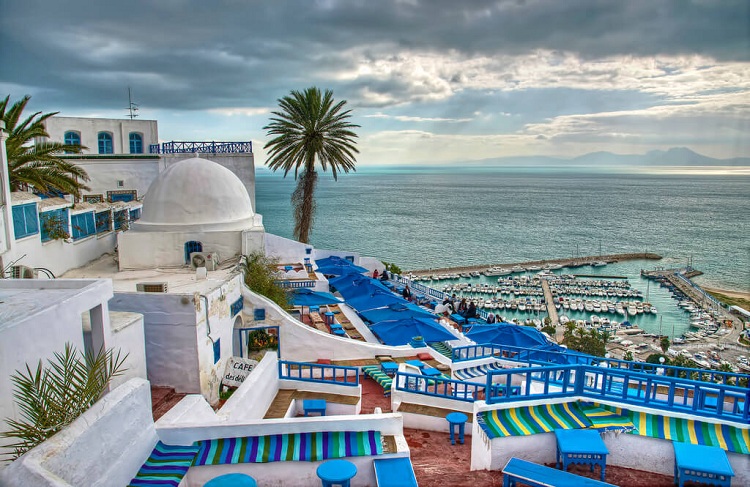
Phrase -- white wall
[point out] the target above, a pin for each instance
(128, 337)
(287, 251)
(170, 331)
(251, 400)
(59, 256)
(6, 221)
(146, 250)
(303, 343)
(89, 129)
(218, 326)
(136, 173)
(105, 446)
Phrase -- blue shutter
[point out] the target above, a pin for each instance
(32, 220)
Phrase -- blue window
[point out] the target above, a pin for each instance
(104, 222)
(54, 223)
(135, 214)
(105, 143)
(25, 220)
(83, 225)
(121, 219)
(190, 247)
(217, 350)
(72, 138)
(136, 143)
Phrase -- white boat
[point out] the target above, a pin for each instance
(598, 263)
(533, 268)
(517, 269)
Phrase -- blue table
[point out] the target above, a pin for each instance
(457, 421)
(584, 447)
(431, 371)
(458, 318)
(336, 472)
(231, 480)
(700, 463)
(416, 363)
(314, 406)
(390, 368)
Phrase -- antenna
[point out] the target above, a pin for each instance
(132, 106)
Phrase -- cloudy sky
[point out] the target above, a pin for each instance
(439, 80)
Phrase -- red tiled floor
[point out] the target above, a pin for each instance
(438, 463)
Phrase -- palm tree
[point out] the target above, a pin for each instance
(310, 128)
(38, 164)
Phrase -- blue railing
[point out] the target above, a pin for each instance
(723, 401)
(438, 387)
(545, 357)
(320, 373)
(201, 148)
(295, 284)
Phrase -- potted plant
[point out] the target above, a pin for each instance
(417, 342)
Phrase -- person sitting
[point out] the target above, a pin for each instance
(384, 276)
(406, 293)
(375, 274)
(471, 311)
(463, 307)
(440, 309)
(491, 319)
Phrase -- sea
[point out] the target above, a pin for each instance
(422, 217)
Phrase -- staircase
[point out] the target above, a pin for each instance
(163, 399)
(442, 349)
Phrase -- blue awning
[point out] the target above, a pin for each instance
(375, 299)
(400, 332)
(334, 265)
(508, 334)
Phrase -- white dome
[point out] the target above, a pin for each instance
(196, 194)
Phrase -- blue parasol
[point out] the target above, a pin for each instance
(374, 299)
(334, 265)
(308, 297)
(396, 311)
(508, 334)
(400, 332)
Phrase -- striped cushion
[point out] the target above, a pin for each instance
(478, 371)
(726, 437)
(530, 420)
(377, 374)
(165, 466)
(605, 420)
(289, 447)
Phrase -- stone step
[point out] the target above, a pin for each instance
(163, 399)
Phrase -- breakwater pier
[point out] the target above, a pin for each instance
(565, 262)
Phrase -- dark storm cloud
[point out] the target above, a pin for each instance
(193, 55)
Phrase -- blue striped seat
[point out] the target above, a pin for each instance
(478, 371)
(165, 466)
(376, 373)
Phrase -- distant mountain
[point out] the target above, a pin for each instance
(676, 156)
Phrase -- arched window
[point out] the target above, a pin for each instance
(136, 143)
(72, 138)
(105, 143)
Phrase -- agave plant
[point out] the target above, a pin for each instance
(51, 397)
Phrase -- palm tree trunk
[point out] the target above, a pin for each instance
(303, 200)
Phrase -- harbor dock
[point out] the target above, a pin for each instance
(576, 261)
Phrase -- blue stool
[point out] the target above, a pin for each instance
(231, 480)
(338, 472)
(457, 420)
(314, 406)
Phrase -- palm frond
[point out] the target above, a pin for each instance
(38, 164)
(50, 398)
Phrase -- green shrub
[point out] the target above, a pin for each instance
(260, 276)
